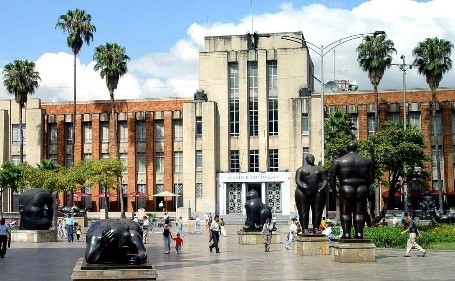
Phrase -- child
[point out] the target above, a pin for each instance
(78, 232)
(178, 243)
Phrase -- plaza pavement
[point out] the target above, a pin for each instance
(55, 261)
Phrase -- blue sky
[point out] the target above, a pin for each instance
(163, 38)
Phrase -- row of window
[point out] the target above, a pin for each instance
(253, 161)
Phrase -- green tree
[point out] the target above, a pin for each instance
(78, 25)
(111, 60)
(433, 59)
(10, 178)
(21, 80)
(374, 56)
(396, 154)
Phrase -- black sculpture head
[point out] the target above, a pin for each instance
(351, 146)
(35, 208)
(310, 159)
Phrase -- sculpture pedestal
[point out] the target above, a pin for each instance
(34, 236)
(255, 237)
(312, 245)
(353, 251)
(83, 271)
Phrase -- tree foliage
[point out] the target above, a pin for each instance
(398, 156)
(10, 178)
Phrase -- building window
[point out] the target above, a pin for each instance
(234, 161)
(123, 131)
(272, 78)
(305, 124)
(394, 117)
(198, 160)
(87, 129)
(234, 99)
(438, 124)
(273, 160)
(273, 116)
(178, 130)
(104, 155)
(434, 160)
(371, 123)
(159, 188)
(198, 127)
(124, 158)
(52, 133)
(53, 158)
(353, 118)
(159, 130)
(253, 98)
(68, 160)
(254, 160)
(159, 162)
(69, 133)
(105, 132)
(16, 134)
(414, 119)
(305, 152)
(178, 162)
(87, 156)
(141, 164)
(140, 132)
(198, 190)
(16, 159)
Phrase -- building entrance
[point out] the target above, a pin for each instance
(255, 186)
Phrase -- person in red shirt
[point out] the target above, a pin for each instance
(178, 243)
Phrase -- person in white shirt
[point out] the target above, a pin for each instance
(292, 233)
(5, 231)
(197, 225)
(395, 220)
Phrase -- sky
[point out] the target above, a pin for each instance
(163, 39)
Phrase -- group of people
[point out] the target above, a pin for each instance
(67, 227)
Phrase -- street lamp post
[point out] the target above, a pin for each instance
(321, 51)
(404, 67)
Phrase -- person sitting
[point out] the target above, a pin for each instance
(115, 241)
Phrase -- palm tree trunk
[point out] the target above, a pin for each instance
(114, 117)
(21, 136)
(438, 160)
(73, 133)
(376, 108)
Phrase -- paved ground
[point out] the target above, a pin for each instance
(55, 261)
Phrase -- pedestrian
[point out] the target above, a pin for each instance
(178, 243)
(395, 220)
(267, 233)
(180, 227)
(222, 228)
(292, 233)
(78, 232)
(413, 232)
(197, 225)
(5, 232)
(215, 234)
(167, 235)
(69, 224)
(206, 218)
(61, 228)
(161, 206)
(145, 229)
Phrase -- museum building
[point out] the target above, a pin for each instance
(249, 126)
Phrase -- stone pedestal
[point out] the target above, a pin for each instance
(34, 236)
(255, 237)
(353, 251)
(83, 271)
(311, 245)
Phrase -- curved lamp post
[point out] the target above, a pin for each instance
(321, 51)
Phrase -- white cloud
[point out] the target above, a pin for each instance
(175, 73)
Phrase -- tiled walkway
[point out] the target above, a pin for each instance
(55, 261)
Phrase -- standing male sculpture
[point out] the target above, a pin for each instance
(354, 173)
(310, 193)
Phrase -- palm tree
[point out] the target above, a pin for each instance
(77, 24)
(111, 60)
(375, 55)
(433, 59)
(21, 80)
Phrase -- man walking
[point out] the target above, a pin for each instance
(267, 233)
(214, 229)
(5, 231)
(413, 232)
(69, 222)
(292, 233)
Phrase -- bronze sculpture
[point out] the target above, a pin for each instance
(310, 194)
(115, 241)
(256, 212)
(35, 209)
(354, 173)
